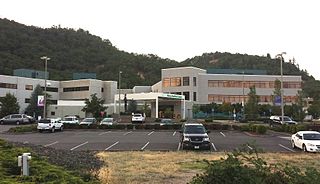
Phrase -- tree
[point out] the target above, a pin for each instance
(132, 106)
(33, 109)
(276, 93)
(8, 105)
(251, 108)
(94, 106)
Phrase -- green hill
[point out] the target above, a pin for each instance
(72, 50)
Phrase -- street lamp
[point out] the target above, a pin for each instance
(45, 58)
(120, 72)
(281, 86)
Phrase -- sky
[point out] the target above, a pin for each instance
(181, 29)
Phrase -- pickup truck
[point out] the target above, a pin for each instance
(137, 118)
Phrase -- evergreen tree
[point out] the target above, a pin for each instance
(33, 109)
(251, 108)
(8, 105)
(132, 106)
(94, 106)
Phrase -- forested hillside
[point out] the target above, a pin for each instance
(78, 51)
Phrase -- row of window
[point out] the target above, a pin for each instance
(8, 85)
(55, 102)
(176, 81)
(81, 88)
(240, 98)
(187, 95)
(247, 84)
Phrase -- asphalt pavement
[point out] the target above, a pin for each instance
(139, 140)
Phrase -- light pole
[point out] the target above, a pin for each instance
(281, 86)
(45, 58)
(119, 91)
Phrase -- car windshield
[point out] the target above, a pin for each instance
(88, 120)
(311, 136)
(16, 116)
(68, 119)
(137, 115)
(46, 121)
(107, 120)
(286, 119)
(194, 129)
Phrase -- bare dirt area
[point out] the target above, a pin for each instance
(177, 167)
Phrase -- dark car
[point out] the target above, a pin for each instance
(15, 119)
(194, 136)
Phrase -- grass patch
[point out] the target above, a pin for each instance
(23, 129)
(41, 171)
(177, 167)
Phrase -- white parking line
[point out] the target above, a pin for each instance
(286, 148)
(78, 146)
(286, 138)
(222, 134)
(215, 149)
(127, 133)
(104, 133)
(179, 146)
(151, 133)
(249, 147)
(174, 133)
(112, 145)
(145, 146)
(51, 144)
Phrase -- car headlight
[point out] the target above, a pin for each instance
(206, 139)
(186, 139)
(309, 144)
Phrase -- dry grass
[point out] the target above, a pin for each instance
(176, 167)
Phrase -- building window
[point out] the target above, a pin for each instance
(102, 90)
(175, 81)
(8, 85)
(194, 96)
(194, 81)
(27, 100)
(186, 81)
(53, 102)
(29, 87)
(72, 89)
(53, 113)
(186, 95)
(166, 82)
(50, 89)
(177, 93)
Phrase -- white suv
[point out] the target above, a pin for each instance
(70, 120)
(137, 117)
(50, 125)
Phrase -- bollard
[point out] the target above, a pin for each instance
(23, 161)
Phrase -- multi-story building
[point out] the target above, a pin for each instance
(202, 87)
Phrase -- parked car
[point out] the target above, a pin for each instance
(137, 118)
(308, 141)
(308, 118)
(166, 121)
(88, 121)
(286, 120)
(194, 136)
(70, 119)
(50, 125)
(15, 119)
(108, 121)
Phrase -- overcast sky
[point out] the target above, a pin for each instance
(181, 29)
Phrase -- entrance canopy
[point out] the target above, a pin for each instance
(154, 97)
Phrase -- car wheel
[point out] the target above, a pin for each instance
(18, 122)
(304, 148)
(1, 122)
(52, 130)
(293, 145)
(61, 128)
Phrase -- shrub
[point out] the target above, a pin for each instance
(21, 129)
(248, 168)
(208, 120)
(183, 120)
(260, 129)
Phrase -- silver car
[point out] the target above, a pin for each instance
(15, 119)
(108, 121)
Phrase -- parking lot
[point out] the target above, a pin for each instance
(138, 140)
